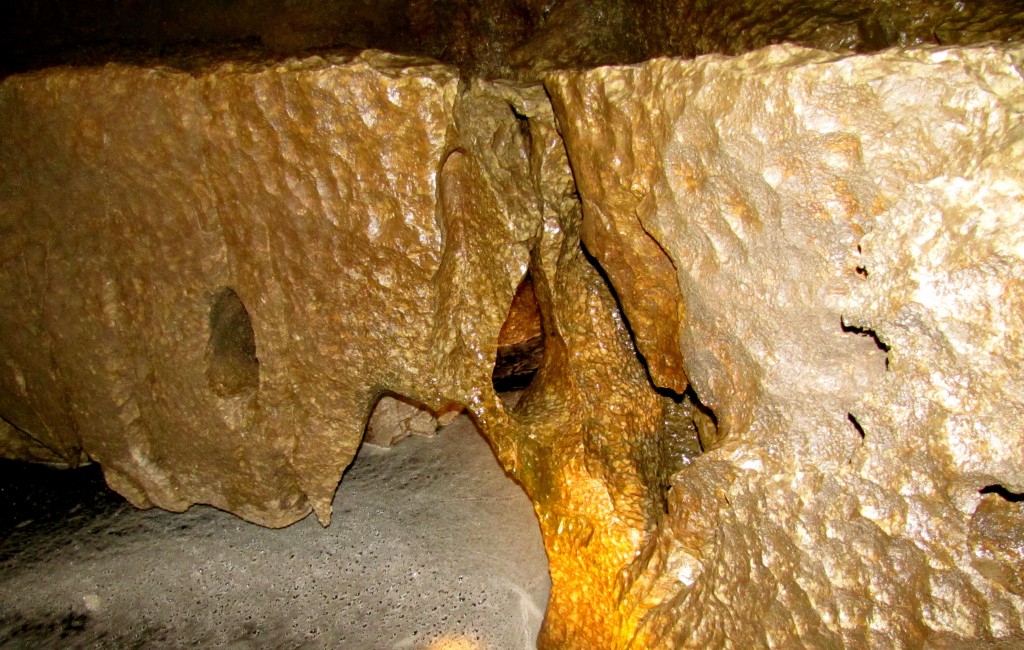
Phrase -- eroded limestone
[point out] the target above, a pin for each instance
(843, 232)
(778, 297)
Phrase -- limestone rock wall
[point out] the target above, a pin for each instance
(157, 223)
(779, 295)
(844, 234)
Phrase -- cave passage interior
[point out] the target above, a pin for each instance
(512, 323)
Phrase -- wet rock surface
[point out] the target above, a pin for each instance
(432, 547)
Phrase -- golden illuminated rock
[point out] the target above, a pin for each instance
(846, 239)
(775, 300)
(211, 277)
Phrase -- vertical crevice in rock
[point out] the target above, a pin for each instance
(704, 421)
(520, 342)
(856, 425)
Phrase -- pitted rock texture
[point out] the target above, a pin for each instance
(778, 295)
(225, 255)
(845, 234)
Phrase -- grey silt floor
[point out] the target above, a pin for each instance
(431, 546)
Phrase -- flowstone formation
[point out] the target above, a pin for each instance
(775, 300)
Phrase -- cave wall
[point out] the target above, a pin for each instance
(779, 401)
(845, 234)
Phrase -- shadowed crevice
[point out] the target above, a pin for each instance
(520, 342)
(1000, 491)
(232, 366)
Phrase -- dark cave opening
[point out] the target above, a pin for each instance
(520, 342)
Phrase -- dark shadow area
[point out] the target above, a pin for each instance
(520, 342)
(35, 497)
(856, 424)
(1001, 491)
(476, 36)
(864, 331)
(491, 38)
(232, 367)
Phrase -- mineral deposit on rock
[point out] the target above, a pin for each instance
(845, 234)
(775, 300)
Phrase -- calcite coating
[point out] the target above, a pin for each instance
(777, 301)
(845, 233)
(150, 216)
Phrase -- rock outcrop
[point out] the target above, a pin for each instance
(775, 299)
(844, 233)
(220, 271)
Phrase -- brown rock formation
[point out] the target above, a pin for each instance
(204, 270)
(777, 295)
(844, 233)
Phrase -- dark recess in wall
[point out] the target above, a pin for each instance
(232, 367)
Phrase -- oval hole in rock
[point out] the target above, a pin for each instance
(520, 345)
(231, 364)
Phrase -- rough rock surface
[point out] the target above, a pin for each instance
(846, 238)
(779, 401)
(219, 271)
